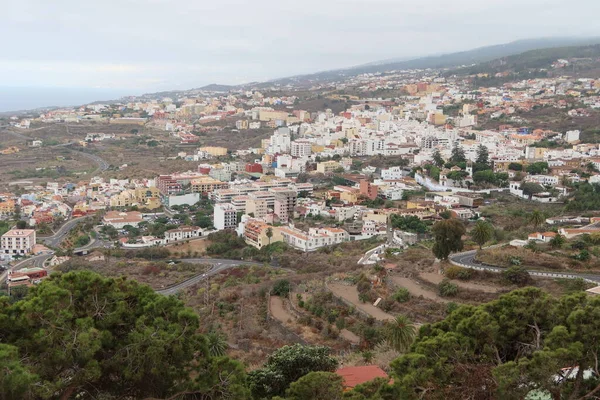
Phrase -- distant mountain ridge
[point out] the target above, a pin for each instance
(474, 56)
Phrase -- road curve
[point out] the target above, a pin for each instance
(218, 266)
(467, 260)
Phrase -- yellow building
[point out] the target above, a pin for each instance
(214, 151)
(255, 233)
(143, 197)
(316, 148)
(328, 167)
(349, 197)
(7, 208)
(206, 184)
(271, 115)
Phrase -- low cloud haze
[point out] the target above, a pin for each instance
(150, 45)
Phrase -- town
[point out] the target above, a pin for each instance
(330, 209)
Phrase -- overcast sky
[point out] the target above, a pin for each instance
(149, 45)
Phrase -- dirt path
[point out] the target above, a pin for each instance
(417, 290)
(278, 311)
(437, 278)
(350, 294)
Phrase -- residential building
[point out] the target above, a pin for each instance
(285, 202)
(214, 151)
(7, 208)
(368, 190)
(207, 185)
(257, 207)
(225, 216)
(18, 241)
(328, 167)
(119, 219)
(542, 236)
(301, 148)
(183, 233)
(392, 174)
(314, 238)
(241, 124)
(256, 233)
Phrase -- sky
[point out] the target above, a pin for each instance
(139, 46)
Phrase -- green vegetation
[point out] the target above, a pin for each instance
(226, 244)
(4, 227)
(482, 232)
(400, 333)
(478, 344)
(287, 365)
(447, 288)
(585, 198)
(316, 385)
(517, 275)
(409, 223)
(448, 237)
(281, 288)
(401, 295)
(81, 333)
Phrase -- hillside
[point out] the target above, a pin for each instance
(580, 61)
(475, 56)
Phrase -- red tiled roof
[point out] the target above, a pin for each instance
(354, 376)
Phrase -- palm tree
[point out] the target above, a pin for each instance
(216, 344)
(269, 234)
(400, 333)
(482, 232)
(536, 219)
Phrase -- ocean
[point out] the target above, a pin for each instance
(26, 98)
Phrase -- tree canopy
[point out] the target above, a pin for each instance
(447, 234)
(524, 341)
(81, 333)
(287, 365)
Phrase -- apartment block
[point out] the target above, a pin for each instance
(285, 203)
(256, 233)
(225, 216)
(17, 241)
(314, 238)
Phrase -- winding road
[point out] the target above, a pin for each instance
(218, 266)
(102, 164)
(467, 260)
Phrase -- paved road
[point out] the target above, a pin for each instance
(102, 164)
(218, 266)
(62, 232)
(467, 259)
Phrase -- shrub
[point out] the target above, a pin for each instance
(465, 274)
(447, 288)
(402, 295)
(281, 288)
(452, 271)
(516, 275)
(450, 307)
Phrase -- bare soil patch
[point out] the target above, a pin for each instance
(437, 278)
(416, 289)
(349, 293)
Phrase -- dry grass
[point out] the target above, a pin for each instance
(192, 248)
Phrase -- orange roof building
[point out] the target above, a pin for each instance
(354, 376)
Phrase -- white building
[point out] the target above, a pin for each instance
(17, 241)
(391, 174)
(301, 148)
(225, 216)
(183, 233)
(314, 239)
